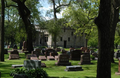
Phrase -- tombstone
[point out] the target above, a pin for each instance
(34, 58)
(83, 49)
(30, 55)
(15, 66)
(14, 55)
(75, 54)
(85, 58)
(43, 65)
(118, 73)
(15, 47)
(50, 52)
(24, 46)
(73, 68)
(50, 58)
(56, 57)
(37, 53)
(63, 59)
(32, 64)
(42, 58)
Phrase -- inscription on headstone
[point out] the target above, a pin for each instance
(85, 58)
(32, 64)
(63, 59)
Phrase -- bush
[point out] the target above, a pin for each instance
(32, 73)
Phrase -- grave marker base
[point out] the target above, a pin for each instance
(73, 68)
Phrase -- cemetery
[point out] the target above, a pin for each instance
(60, 39)
(58, 66)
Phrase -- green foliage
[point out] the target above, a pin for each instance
(80, 16)
(93, 39)
(32, 73)
(54, 28)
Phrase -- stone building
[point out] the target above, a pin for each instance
(66, 38)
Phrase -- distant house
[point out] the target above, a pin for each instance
(66, 38)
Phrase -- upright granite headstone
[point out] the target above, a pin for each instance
(24, 46)
(75, 54)
(14, 55)
(63, 59)
(32, 64)
(85, 58)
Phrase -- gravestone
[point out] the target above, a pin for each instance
(63, 59)
(34, 58)
(37, 53)
(50, 58)
(15, 66)
(73, 68)
(24, 46)
(75, 54)
(85, 58)
(30, 55)
(42, 58)
(43, 65)
(118, 73)
(56, 57)
(14, 55)
(32, 64)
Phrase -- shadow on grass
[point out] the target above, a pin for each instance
(68, 77)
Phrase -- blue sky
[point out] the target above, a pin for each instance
(46, 7)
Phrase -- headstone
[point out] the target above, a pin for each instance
(32, 64)
(24, 46)
(30, 55)
(118, 73)
(37, 53)
(34, 58)
(85, 58)
(42, 58)
(43, 65)
(63, 59)
(56, 57)
(74, 68)
(14, 55)
(49, 52)
(15, 66)
(75, 54)
(50, 58)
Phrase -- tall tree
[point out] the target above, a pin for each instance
(57, 6)
(2, 31)
(116, 9)
(104, 22)
(25, 15)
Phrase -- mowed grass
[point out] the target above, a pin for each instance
(89, 71)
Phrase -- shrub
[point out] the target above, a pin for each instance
(32, 73)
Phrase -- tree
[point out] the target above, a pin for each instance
(57, 6)
(80, 16)
(2, 31)
(104, 23)
(54, 29)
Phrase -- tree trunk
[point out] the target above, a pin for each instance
(2, 32)
(24, 12)
(104, 23)
(115, 21)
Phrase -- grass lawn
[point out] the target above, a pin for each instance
(89, 71)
